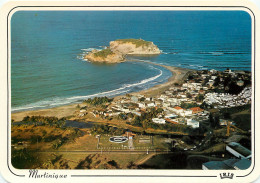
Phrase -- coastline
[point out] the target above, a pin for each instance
(178, 74)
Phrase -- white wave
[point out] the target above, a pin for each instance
(125, 86)
(90, 49)
(216, 53)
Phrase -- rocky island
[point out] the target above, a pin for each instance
(119, 49)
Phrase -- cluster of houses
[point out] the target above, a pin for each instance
(225, 100)
(195, 90)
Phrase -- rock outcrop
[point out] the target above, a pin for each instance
(118, 49)
(104, 56)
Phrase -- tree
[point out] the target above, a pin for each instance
(216, 81)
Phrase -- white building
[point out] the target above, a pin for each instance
(141, 105)
(238, 150)
(178, 110)
(152, 104)
(186, 113)
(158, 121)
(193, 123)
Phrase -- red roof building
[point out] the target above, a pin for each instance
(196, 110)
(178, 108)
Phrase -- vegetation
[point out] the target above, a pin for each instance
(137, 42)
(188, 105)
(105, 129)
(103, 53)
(98, 100)
(45, 120)
(214, 120)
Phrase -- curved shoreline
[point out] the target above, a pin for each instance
(67, 110)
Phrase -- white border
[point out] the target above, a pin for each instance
(123, 172)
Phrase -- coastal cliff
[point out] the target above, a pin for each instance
(118, 49)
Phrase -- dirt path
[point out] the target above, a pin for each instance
(141, 161)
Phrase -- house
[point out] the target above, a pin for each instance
(134, 99)
(141, 105)
(196, 110)
(137, 113)
(227, 71)
(193, 123)
(158, 121)
(178, 109)
(187, 112)
(171, 116)
(151, 104)
(171, 121)
(238, 150)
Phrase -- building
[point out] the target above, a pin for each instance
(175, 122)
(242, 164)
(186, 113)
(171, 116)
(158, 121)
(151, 104)
(178, 109)
(229, 164)
(193, 123)
(141, 105)
(238, 150)
(196, 110)
(218, 165)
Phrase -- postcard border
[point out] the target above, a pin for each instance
(253, 22)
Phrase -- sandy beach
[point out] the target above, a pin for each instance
(178, 74)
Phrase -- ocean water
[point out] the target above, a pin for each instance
(47, 68)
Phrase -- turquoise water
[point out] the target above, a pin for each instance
(47, 47)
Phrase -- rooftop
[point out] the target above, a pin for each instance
(242, 164)
(217, 165)
(240, 149)
(178, 108)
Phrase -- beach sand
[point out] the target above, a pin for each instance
(178, 74)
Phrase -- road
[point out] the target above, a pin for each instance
(114, 151)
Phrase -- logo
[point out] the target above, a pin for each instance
(226, 175)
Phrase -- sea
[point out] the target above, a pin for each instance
(47, 49)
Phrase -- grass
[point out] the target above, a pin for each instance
(88, 161)
(221, 147)
(103, 53)
(137, 42)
